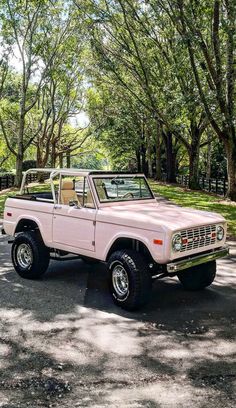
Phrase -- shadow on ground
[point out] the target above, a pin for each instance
(63, 342)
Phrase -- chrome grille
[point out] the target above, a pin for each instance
(198, 237)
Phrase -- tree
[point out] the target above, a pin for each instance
(119, 58)
(208, 32)
(33, 28)
(61, 99)
(134, 49)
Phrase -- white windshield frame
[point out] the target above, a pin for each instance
(117, 201)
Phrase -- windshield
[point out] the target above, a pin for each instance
(120, 188)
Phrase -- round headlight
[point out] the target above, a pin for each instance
(177, 242)
(220, 233)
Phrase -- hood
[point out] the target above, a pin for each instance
(158, 217)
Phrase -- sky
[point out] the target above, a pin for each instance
(80, 120)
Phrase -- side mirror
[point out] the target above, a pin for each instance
(73, 203)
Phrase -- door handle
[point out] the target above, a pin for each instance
(57, 207)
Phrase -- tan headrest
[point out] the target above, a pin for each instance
(67, 185)
(100, 183)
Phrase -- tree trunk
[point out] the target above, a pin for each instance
(143, 150)
(39, 158)
(138, 156)
(209, 154)
(230, 148)
(171, 159)
(20, 149)
(158, 151)
(68, 163)
(40, 163)
(173, 167)
(19, 168)
(169, 153)
(53, 155)
(61, 160)
(149, 153)
(194, 157)
(143, 161)
(193, 168)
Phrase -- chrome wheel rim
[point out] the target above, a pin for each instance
(120, 280)
(24, 256)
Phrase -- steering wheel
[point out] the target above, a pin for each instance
(128, 195)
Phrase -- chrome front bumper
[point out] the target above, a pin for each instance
(197, 260)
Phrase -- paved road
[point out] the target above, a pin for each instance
(64, 344)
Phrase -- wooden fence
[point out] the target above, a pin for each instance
(7, 180)
(212, 185)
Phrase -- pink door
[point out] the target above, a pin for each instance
(74, 227)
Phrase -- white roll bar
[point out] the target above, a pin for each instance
(53, 173)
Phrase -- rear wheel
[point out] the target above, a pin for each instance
(30, 256)
(198, 277)
(130, 279)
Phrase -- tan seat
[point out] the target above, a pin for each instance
(100, 186)
(67, 192)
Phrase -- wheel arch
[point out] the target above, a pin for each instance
(124, 242)
(28, 224)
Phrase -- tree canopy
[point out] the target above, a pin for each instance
(156, 80)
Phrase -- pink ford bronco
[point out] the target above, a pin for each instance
(113, 218)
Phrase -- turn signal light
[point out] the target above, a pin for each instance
(158, 242)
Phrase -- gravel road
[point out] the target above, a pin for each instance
(64, 344)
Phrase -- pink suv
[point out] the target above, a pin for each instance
(113, 218)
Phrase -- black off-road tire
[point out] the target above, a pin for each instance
(139, 279)
(38, 251)
(198, 277)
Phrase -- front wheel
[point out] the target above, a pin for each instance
(30, 256)
(198, 277)
(130, 279)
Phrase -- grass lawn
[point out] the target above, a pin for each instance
(178, 195)
(14, 191)
(199, 200)
(3, 197)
